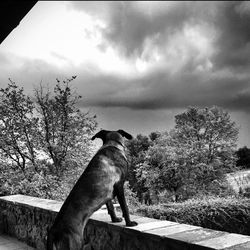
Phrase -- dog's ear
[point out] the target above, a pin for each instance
(125, 134)
(101, 134)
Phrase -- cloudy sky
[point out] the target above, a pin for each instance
(138, 64)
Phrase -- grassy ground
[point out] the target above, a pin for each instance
(230, 214)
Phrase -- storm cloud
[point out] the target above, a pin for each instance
(161, 91)
(198, 51)
(132, 26)
(156, 90)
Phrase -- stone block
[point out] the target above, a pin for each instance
(225, 241)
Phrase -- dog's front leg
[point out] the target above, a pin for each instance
(119, 192)
(111, 211)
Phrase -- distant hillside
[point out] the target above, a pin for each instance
(239, 179)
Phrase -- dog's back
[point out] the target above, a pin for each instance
(95, 185)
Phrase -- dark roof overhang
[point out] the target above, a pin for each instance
(11, 14)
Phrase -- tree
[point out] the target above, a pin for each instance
(197, 152)
(139, 144)
(164, 166)
(18, 140)
(243, 157)
(136, 152)
(44, 141)
(154, 136)
(207, 133)
(63, 129)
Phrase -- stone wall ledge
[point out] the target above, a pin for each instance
(28, 219)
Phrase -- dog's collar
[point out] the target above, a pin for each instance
(115, 144)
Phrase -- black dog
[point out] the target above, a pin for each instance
(102, 180)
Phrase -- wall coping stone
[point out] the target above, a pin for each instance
(170, 235)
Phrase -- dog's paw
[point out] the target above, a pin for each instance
(117, 219)
(131, 224)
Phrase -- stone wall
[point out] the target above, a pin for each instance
(28, 219)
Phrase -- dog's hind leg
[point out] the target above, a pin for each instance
(111, 211)
(119, 192)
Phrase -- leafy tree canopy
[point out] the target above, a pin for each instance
(44, 139)
(197, 152)
(243, 157)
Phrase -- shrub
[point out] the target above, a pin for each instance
(245, 192)
(40, 184)
(131, 197)
(229, 214)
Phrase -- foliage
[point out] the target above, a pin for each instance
(18, 141)
(131, 197)
(63, 129)
(28, 182)
(243, 157)
(136, 149)
(209, 133)
(229, 214)
(44, 141)
(245, 192)
(193, 156)
(138, 144)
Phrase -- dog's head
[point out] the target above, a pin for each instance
(116, 136)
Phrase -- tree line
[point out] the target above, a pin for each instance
(190, 160)
(45, 145)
